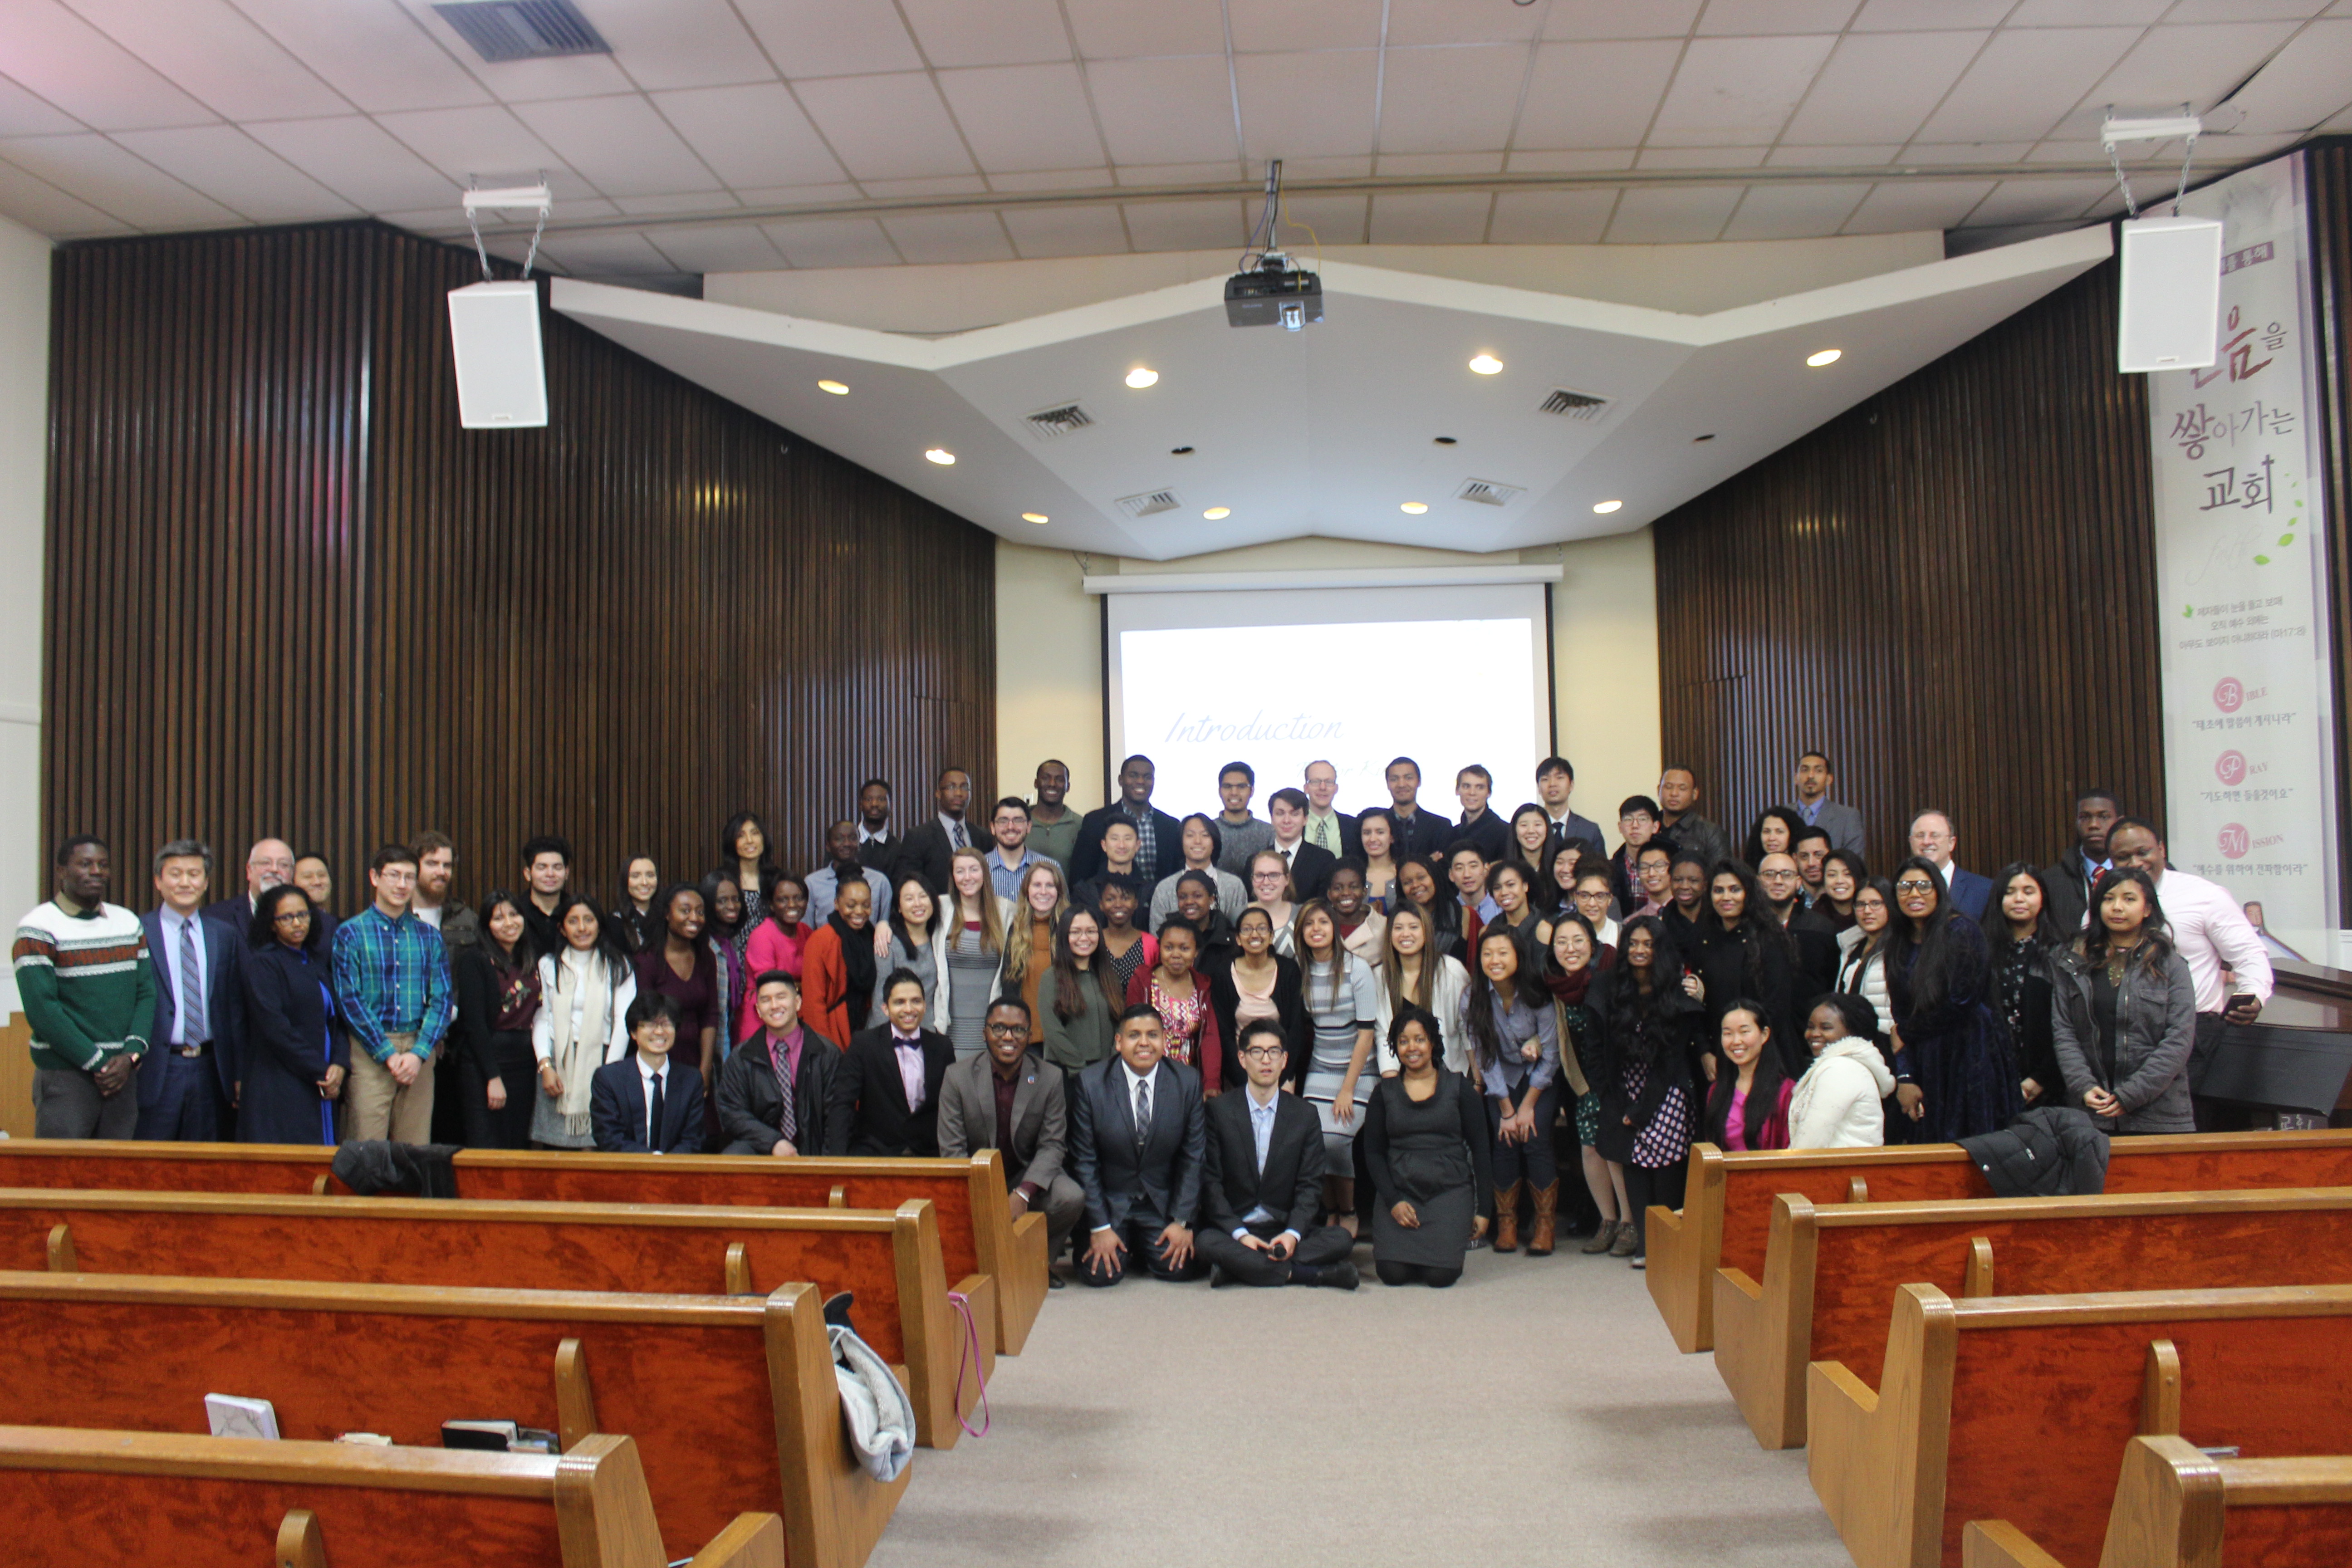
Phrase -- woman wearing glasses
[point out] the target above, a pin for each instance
(1955, 1073)
(297, 1056)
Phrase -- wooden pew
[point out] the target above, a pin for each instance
(890, 1260)
(1829, 1273)
(977, 1233)
(2019, 1408)
(732, 1401)
(82, 1497)
(1726, 1210)
(2178, 1507)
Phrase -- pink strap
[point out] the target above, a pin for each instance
(970, 1358)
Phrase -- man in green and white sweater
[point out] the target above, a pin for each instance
(88, 992)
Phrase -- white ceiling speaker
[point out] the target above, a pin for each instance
(494, 328)
(2172, 307)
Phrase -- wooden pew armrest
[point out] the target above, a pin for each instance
(1997, 1543)
(753, 1541)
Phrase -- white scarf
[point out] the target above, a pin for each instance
(579, 1052)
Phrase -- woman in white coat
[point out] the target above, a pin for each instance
(584, 993)
(1840, 1101)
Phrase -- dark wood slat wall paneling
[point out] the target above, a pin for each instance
(306, 601)
(1949, 589)
(2329, 172)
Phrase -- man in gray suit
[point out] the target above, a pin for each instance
(1138, 1138)
(1839, 820)
(1011, 1098)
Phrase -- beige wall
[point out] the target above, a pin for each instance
(1049, 696)
(23, 490)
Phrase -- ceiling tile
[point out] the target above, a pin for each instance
(2086, 13)
(1112, 29)
(464, 143)
(1902, 208)
(1551, 218)
(832, 241)
(2023, 81)
(1451, 22)
(1926, 16)
(1754, 16)
(618, 144)
(1673, 214)
(1066, 231)
(603, 252)
(1300, 106)
(1431, 217)
(2243, 10)
(1615, 19)
(1179, 173)
(717, 247)
(935, 186)
(1737, 90)
(2304, 85)
(114, 180)
(44, 209)
(370, 51)
(1332, 220)
(887, 127)
(1878, 87)
(1409, 163)
(795, 195)
(677, 201)
(831, 38)
(1358, 167)
(1930, 154)
(23, 113)
(1594, 95)
(238, 171)
(50, 50)
(1019, 118)
(1843, 156)
(1700, 158)
(999, 32)
(752, 135)
(1459, 99)
(358, 160)
(1185, 226)
(1265, 24)
(1165, 112)
(681, 43)
(2172, 66)
(1096, 178)
(949, 237)
(1794, 212)
(2039, 201)
(1574, 161)
(209, 50)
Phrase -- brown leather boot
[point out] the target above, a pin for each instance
(1506, 1219)
(1547, 1203)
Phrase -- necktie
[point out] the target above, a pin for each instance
(963, 841)
(654, 1116)
(195, 1030)
(1142, 1113)
(789, 1126)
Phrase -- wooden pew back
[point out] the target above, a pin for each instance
(1726, 1219)
(731, 1399)
(890, 1260)
(2020, 1407)
(76, 1497)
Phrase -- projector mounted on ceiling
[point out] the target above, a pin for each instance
(1272, 289)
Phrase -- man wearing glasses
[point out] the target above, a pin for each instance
(1264, 1181)
(1010, 1098)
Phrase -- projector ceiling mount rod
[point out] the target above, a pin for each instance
(510, 199)
(2184, 126)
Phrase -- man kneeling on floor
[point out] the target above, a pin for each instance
(1265, 1180)
(1136, 1137)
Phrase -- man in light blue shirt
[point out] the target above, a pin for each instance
(823, 884)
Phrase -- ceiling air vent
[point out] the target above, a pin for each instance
(1059, 420)
(1147, 504)
(503, 30)
(1570, 405)
(1486, 493)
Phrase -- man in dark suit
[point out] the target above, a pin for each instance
(929, 851)
(1555, 783)
(753, 1118)
(645, 1103)
(887, 1091)
(188, 1088)
(1310, 864)
(1138, 1138)
(2069, 879)
(1934, 839)
(1421, 834)
(267, 864)
(1265, 1180)
(1010, 1098)
(1160, 849)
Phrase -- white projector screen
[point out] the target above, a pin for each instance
(1276, 679)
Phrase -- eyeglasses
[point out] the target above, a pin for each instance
(292, 918)
(1914, 885)
(1262, 1053)
(1008, 1031)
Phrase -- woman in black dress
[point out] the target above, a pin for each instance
(295, 1056)
(1425, 1143)
(1955, 1073)
(497, 981)
(1647, 1105)
(2025, 943)
(1743, 952)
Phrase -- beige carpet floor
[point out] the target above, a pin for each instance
(1537, 1412)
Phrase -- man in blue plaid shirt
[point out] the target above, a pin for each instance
(392, 986)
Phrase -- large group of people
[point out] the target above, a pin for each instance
(1216, 1043)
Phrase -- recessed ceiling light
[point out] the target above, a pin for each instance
(1214, 512)
(838, 388)
(1486, 364)
(1827, 356)
(1140, 377)
(1179, 451)
(941, 455)
(1414, 507)
(1708, 436)
(1606, 506)
(1033, 517)
(1443, 440)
